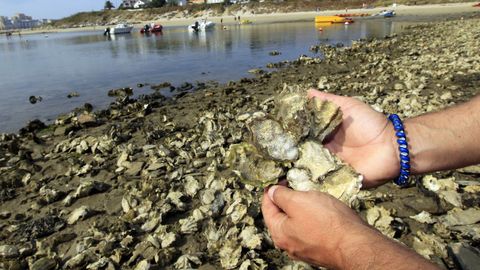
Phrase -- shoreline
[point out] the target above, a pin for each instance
(401, 10)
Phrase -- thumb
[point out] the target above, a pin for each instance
(284, 198)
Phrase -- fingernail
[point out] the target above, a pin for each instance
(271, 190)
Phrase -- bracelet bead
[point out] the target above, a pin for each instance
(402, 179)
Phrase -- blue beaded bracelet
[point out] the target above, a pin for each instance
(402, 179)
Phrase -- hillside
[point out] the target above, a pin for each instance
(108, 17)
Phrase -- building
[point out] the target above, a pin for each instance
(215, 1)
(128, 3)
(196, 1)
(19, 21)
(139, 4)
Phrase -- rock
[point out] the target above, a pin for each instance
(88, 107)
(398, 86)
(429, 245)
(381, 218)
(80, 213)
(457, 216)
(424, 217)
(121, 92)
(5, 214)
(34, 99)
(60, 131)
(134, 168)
(446, 96)
(9, 251)
(73, 94)
(465, 256)
(32, 126)
(474, 169)
(87, 119)
(256, 71)
(44, 264)
(143, 265)
(185, 87)
(160, 85)
(274, 53)
(446, 189)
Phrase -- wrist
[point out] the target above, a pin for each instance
(357, 249)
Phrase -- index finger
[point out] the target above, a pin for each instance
(314, 93)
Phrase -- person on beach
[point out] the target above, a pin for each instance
(316, 228)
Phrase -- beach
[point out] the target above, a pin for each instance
(432, 10)
(144, 183)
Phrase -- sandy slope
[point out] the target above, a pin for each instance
(402, 10)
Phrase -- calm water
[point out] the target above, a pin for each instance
(91, 64)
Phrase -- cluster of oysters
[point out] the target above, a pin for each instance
(289, 143)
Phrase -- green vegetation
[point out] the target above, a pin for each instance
(109, 5)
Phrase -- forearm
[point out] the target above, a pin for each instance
(371, 250)
(444, 140)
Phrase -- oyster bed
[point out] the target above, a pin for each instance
(144, 184)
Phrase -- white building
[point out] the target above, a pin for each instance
(215, 1)
(18, 21)
(139, 4)
(128, 3)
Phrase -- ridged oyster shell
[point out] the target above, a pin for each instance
(290, 143)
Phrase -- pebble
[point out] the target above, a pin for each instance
(465, 256)
(44, 264)
(9, 251)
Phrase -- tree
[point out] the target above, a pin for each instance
(157, 3)
(109, 5)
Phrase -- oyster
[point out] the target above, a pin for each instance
(290, 143)
(273, 140)
(251, 167)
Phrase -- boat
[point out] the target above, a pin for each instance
(477, 5)
(332, 19)
(349, 15)
(386, 13)
(121, 28)
(245, 22)
(152, 28)
(201, 26)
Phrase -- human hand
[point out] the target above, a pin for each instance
(318, 229)
(312, 226)
(365, 140)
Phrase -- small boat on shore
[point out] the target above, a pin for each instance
(201, 26)
(386, 13)
(332, 19)
(152, 28)
(349, 15)
(121, 28)
(245, 22)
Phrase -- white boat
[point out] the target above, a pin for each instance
(121, 28)
(201, 26)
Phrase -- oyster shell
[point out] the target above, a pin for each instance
(326, 116)
(251, 167)
(290, 142)
(273, 141)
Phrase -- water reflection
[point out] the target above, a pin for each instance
(91, 63)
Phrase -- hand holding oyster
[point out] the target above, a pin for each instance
(289, 143)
